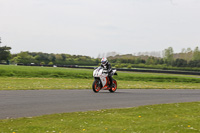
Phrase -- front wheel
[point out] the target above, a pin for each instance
(96, 86)
(114, 87)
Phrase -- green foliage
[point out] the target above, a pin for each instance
(27, 58)
(50, 63)
(194, 63)
(5, 53)
(117, 66)
(180, 63)
(24, 57)
(123, 65)
(168, 118)
(196, 55)
(42, 63)
(168, 55)
(129, 66)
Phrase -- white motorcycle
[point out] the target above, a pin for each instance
(101, 80)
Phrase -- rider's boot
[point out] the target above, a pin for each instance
(111, 85)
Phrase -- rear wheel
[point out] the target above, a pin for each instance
(114, 87)
(96, 86)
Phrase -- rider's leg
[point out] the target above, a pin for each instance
(111, 80)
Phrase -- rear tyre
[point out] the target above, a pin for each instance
(114, 87)
(96, 86)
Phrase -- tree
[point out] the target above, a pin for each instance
(15, 60)
(25, 58)
(194, 63)
(59, 57)
(169, 55)
(5, 53)
(150, 61)
(50, 63)
(129, 66)
(117, 66)
(42, 63)
(196, 54)
(180, 63)
(51, 57)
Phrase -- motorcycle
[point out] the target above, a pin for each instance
(101, 80)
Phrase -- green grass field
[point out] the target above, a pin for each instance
(164, 118)
(33, 78)
(15, 83)
(45, 72)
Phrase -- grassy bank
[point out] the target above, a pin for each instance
(164, 118)
(45, 72)
(15, 83)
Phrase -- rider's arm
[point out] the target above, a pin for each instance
(109, 67)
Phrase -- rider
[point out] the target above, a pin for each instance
(105, 64)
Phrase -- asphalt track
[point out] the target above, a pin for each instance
(28, 103)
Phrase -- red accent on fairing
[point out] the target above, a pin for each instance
(106, 88)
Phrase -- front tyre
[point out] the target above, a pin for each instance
(96, 86)
(114, 87)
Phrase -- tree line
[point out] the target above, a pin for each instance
(186, 58)
(40, 58)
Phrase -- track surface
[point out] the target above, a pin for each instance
(28, 103)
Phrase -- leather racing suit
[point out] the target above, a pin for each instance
(108, 67)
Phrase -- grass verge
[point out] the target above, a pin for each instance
(45, 72)
(14, 83)
(164, 118)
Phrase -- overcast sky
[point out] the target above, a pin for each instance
(90, 27)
